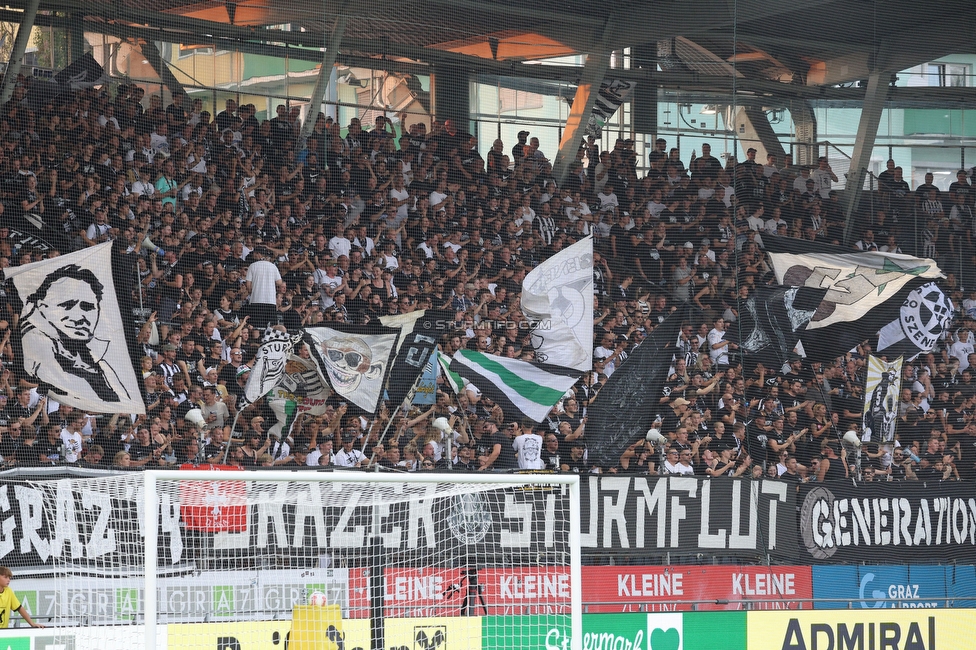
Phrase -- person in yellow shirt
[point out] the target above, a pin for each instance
(9, 602)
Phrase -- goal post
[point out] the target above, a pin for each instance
(255, 560)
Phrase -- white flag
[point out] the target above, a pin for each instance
(558, 296)
(353, 360)
(269, 364)
(73, 334)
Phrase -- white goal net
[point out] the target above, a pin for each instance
(302, 560)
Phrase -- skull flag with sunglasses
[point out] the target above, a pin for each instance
(353, 360)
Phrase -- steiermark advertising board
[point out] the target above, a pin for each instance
(670, 631)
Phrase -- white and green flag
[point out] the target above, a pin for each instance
(452, 379)
(521, 388)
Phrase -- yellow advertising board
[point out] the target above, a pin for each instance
(242, 635)
(439, 633)
(863, 629)
(436, 633)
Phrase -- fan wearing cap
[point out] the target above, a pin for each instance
(671, 422)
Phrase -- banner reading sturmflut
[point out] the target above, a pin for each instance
(72, 338)
(881, 399)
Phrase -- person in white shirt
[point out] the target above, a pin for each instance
(718, 347)
(608, 200)
(324, 450)
(800, 182)
(528, 447)
(348, 456)
(72, 439)
(823, 176)
(673, 465)
(775, 221)
(263, 281)
(399, 197)
(341, 244)
(755, 220)
(962, 348)
(328, 281)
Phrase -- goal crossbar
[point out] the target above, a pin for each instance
(151, 479)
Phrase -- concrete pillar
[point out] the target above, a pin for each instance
(644, 111)
(76, 37)
(805, 127)
(156, 62)
(19, 48)
(451, 95)
(754, 130)
(326, 78)
(867, 132)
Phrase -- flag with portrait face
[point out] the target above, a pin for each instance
(881, 393)
(557, 296)
(75, 331)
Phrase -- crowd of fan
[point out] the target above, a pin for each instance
(398, 218)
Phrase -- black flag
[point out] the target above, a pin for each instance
(770, 322)
(415, 348)
(84, 72)
(625, 407)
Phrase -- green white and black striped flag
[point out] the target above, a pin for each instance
(452, 379)
(521, 388)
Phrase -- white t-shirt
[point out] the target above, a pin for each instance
(718, 355)
(400, 195)
(961, 350)
(339, 245)
(72, 445)
(352, 458)
(528, 447)
(323, 282)
(263, 276)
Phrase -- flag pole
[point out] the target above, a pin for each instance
(233, 427)
(408, 399)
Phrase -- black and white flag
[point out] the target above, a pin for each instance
(881, 395)
(869, 296)
(268, 368)
(557, 296)
(83, 72)
(770, 322)
(72, 339)
(354, 360)
(419, 333)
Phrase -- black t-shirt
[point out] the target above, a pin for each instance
(28, 456)
(139, 452)
(9, 446)
(506, 458)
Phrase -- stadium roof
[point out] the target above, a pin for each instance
(789, 48)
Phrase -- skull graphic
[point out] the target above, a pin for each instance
(349, 361)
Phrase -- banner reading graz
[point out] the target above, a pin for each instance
(887, 522)
(88, 522)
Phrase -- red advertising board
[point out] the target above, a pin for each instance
(526, 590)
(671, 588)
(409, 593)
(606, 589)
